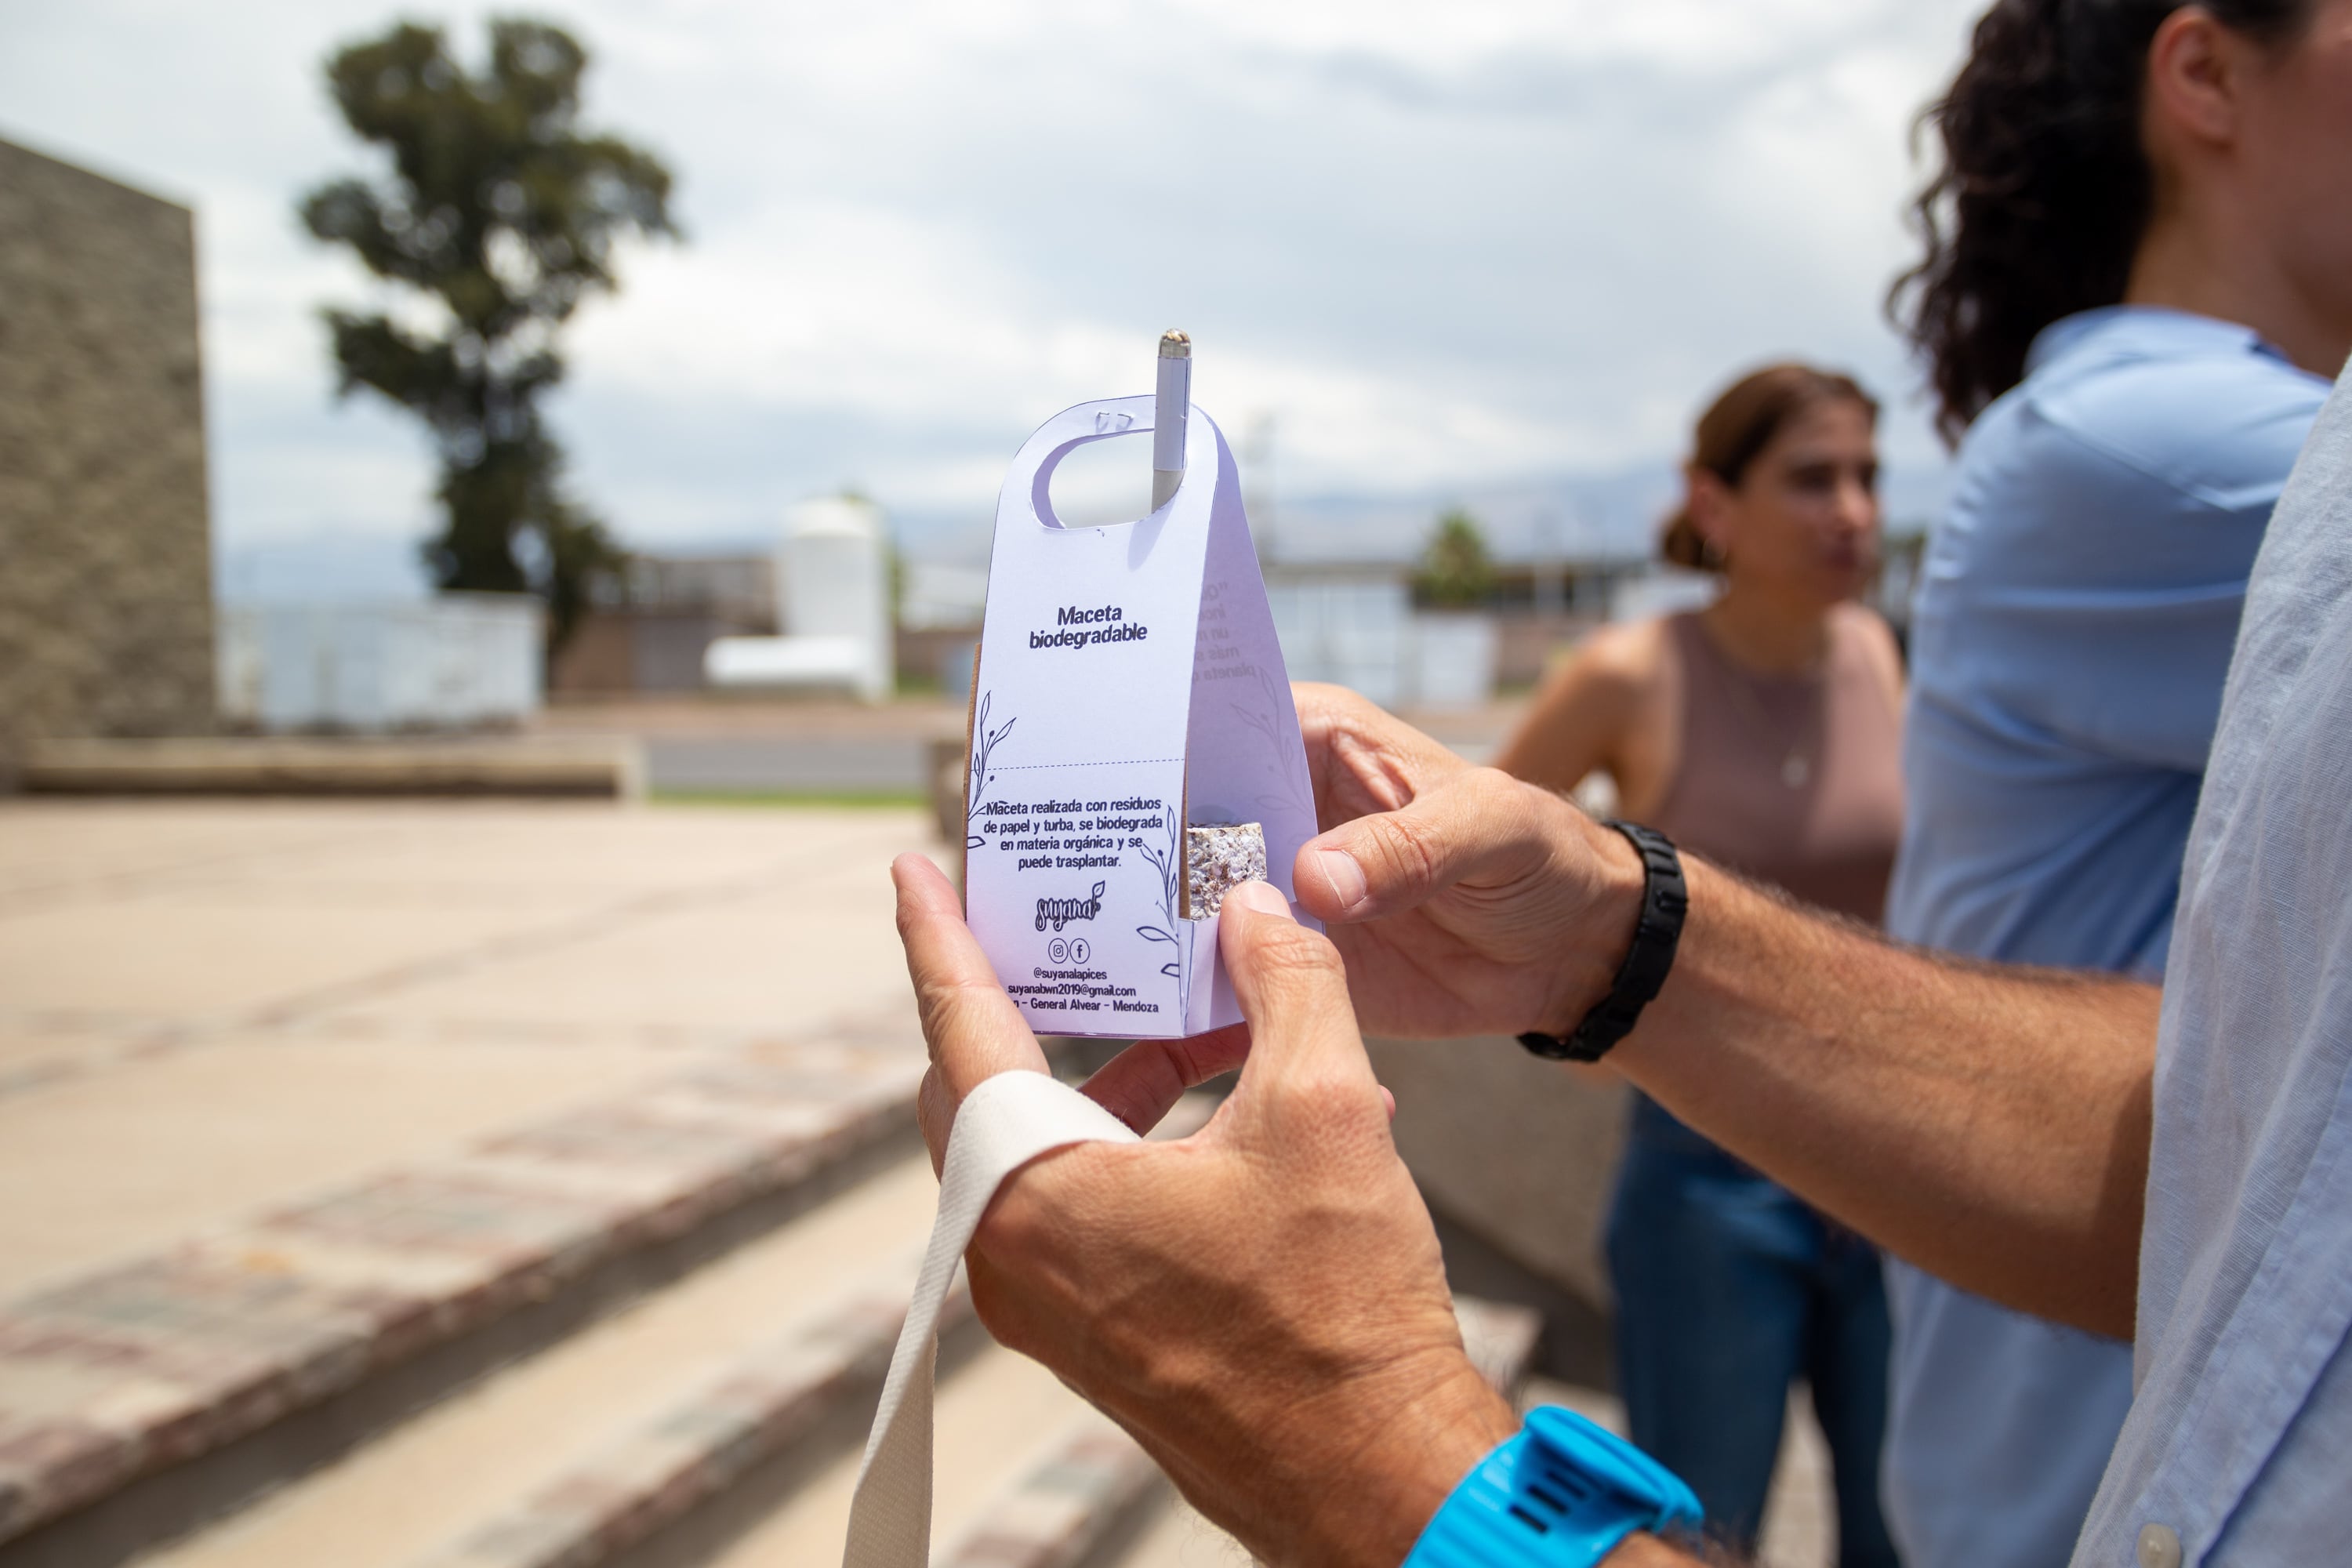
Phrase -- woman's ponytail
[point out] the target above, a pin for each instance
(2044, 189)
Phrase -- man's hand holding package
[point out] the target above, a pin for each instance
(1261, 1304)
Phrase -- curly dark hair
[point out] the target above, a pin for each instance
(2044, 190)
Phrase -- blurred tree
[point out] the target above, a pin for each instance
(501, 211)
(1455, 570)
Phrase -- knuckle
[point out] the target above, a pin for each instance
(1491, 785)
(1509, 810)
(1494, 796)
(1292, 952)
(935, 1103)
(949, 1008)
(1409, 848)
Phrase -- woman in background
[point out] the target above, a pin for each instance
(1764, 732)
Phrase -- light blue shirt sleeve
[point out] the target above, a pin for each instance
(2084, 589)
(2074, 625)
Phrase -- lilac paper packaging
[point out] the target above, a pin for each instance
(1129, 687)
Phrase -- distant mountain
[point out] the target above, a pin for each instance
(1583, 517)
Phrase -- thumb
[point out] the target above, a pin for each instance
(1293, 990)
(972, 1027)
(1480, 827)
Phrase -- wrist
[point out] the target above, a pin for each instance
(1409, 1466)
(1563, 1493)
(1609, 876)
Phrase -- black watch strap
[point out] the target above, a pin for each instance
(1665, 901)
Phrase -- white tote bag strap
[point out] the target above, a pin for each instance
(1002, 1125)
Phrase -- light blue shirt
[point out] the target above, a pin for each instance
(2238, 1446)
(2077, 609)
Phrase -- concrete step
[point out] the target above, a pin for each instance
(765, 1450)
(1081, 1504)
(755, 1466)
(689, 1430)
(263, 1351)
(142, 1399)
(997, 1417)
(635, 1437)
(606, 767)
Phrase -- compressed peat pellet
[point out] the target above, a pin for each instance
(1218, 859)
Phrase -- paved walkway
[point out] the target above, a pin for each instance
(244, 1038)
(207, 1008)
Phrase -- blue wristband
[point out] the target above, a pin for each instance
(1562, 1493)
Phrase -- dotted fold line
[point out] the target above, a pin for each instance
(1037, 767)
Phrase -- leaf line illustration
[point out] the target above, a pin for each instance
(1170, 864)
(984, 741)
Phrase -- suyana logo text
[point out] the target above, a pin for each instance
(1059, 912)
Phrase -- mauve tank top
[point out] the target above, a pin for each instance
(1796, 781)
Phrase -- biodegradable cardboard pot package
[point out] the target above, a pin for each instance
(1129, 687)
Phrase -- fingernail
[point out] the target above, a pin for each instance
(1261, 898)
(1345, 877)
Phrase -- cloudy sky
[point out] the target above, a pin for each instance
(1443, 249)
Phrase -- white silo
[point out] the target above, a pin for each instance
(833, 602)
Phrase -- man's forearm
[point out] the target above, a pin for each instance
(1988, 1124)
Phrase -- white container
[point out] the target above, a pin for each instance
(1453, 658)
(787, 662)
(1349, 630)
(461, 661)
(832, 601)
(1663, 591)
(237, 663)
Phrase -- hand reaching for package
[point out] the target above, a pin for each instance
(1463, 900)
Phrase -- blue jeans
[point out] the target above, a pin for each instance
(1728, 1290)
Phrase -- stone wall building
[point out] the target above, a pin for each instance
(106, 618)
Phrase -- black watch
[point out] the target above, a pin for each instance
(1665, 899)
